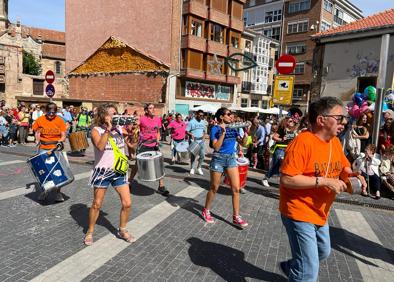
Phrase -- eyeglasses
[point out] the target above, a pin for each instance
(338, 118)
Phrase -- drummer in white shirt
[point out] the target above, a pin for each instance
(178, 133)
(196, 129)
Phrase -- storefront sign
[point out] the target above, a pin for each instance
(207, 91)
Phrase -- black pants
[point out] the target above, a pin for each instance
(374, 181)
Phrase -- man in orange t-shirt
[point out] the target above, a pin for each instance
(50, 130)
(308, 185)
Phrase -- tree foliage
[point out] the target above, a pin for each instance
(31, 65)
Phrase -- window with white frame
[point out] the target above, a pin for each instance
(196, 28)
(296, 27)
(324, 26)
(254, 103)
(273, 16)
(327, 5)
(300, 68)
(298, 6)
(296, 48)
(298, 93)
(244, 103)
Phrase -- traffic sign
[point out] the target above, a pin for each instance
(285, 64)
(49, 77)
(283, 90)
(50, 90)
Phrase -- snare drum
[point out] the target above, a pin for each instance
(51, 170)
(78, 141)
(243, 167)
(194, 148)
(150, 166)
(182, 149)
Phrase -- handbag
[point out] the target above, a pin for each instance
(121, 165)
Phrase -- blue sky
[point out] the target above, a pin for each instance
(50, 13)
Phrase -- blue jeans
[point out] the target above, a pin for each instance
(220, 162)
(276, 162)
(309, 244)
(201, 155)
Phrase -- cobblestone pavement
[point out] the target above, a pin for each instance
(174, 244)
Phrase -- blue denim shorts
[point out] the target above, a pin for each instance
(102, 179)
(220, 162)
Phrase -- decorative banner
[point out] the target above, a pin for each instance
(283, 91)
(199, 90)
(215, 65)
(207, 91)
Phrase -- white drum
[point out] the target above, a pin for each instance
(150, 166)
(182, 149)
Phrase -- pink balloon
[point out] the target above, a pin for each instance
(355, 111)
(364, 108)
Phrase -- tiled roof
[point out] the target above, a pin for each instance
(380, 20)
(44, 34)
(54, 51)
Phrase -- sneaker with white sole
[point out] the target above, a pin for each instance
(265, 182)
(206, 214)
(192, 171)
(238, 221)
(242, 191)
(200, 172)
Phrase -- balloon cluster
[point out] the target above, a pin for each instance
(364, 102)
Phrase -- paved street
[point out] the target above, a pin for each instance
(43, 242)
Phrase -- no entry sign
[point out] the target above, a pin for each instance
(49, 77)
(285, 64)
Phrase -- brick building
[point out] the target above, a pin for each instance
(48, 48)
(145, 32)
(299, 20)
(211, 32)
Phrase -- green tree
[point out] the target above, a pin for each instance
(30, 64)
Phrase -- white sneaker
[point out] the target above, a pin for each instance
(192, 171)
(265, 183)
(200, 172)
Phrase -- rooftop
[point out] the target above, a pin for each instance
(381, 20)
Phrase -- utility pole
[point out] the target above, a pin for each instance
(384, 50)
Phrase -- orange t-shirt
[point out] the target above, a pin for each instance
(50, 130)
(309, 155)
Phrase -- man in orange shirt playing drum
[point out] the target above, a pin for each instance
(309, 184)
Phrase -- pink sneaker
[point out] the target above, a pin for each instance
(238, 221)
(206, 214)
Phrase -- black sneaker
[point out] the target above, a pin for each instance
(162, 190)
(284, 266)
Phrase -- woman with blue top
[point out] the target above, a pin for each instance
(224, 159)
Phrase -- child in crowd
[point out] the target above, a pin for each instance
(368, 164)
(387, 169)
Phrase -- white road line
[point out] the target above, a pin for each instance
(22, 190)
(86, 261)
(378, 269)
(12, 162)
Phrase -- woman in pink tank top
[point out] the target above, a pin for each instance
(103, 173)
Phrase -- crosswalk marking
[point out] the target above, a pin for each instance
(12, 162)
(23, 190)
(89, 259)
(376, 269)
